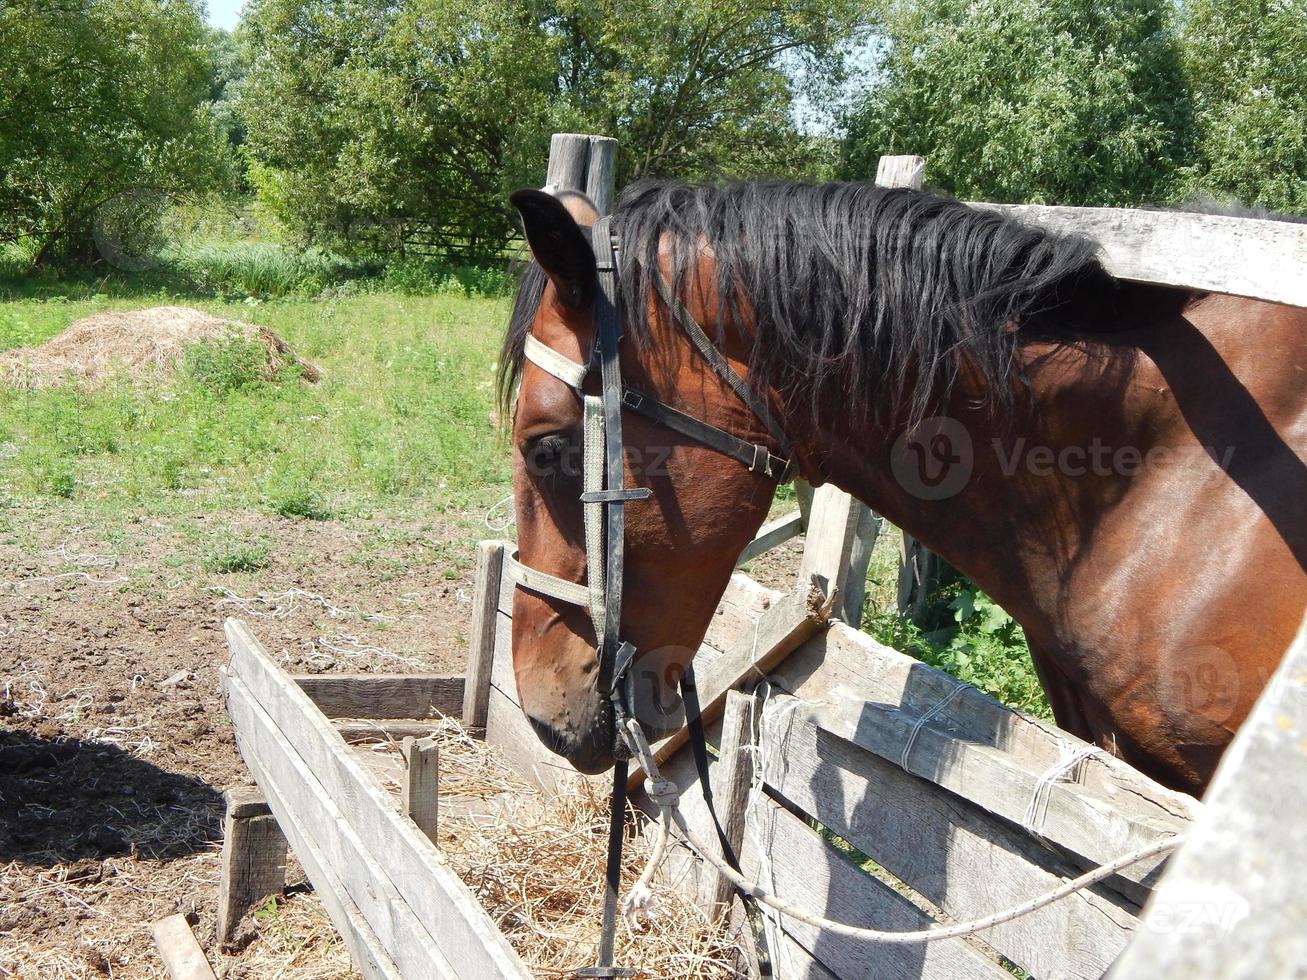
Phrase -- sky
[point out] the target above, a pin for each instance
(225, 13)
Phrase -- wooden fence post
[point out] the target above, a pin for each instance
(732, 777)
(253, 859)
(578, 162)
(481, 643)
(420, 794)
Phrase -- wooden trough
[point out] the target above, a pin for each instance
(940, 801)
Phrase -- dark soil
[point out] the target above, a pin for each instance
(114, 745)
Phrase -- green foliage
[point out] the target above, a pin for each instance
(261, 268)
(1061, 102)
(229, 556)
(704, 88)
(376, 128)
(102, 101)
(293, 495)
(233, 363)
(1246, 62)
(985, 648)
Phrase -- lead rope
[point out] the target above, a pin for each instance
(663, 793)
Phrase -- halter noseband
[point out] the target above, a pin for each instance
(603, 495)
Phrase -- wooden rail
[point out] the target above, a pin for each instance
(400, 909)
(1251, 257)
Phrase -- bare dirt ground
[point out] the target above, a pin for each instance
(114, 745)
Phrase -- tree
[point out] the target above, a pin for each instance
(704, 88)
(101, 102)
(386, 125)
(1246, 62)
(1057, 102)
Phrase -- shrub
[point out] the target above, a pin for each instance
(232, 363)
(230, 556)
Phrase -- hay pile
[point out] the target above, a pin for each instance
(536, 861)
(139, 344)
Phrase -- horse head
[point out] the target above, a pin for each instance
(681, 541)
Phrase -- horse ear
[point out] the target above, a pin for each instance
(557, 244)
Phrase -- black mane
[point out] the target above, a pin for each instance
(861, 294)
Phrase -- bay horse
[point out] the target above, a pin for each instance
(1119, 465)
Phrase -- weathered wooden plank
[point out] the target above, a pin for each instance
(781, 628)
(384, 695)
(808, 872)
(358, 730)
(837, 548)
(569, 160)
(770, 535)
(486, 596)
(901, 171)
(978, 748)
(299, 799)
(601, 172)
(1243, 256)
(253, 859)
(732, 774)
(420, 791)
(1232, 903)
(181, 954)
(952, 852)
(440, 900)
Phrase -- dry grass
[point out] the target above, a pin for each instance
(536, 861)
(137, 344)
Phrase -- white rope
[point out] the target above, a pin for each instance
(930, 713)
(492, 519)
(669, 813)
(1033, 819)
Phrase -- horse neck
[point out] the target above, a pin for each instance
(1007, 498)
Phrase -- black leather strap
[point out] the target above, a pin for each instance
(608, 335)
(757, 458)
(709, 352)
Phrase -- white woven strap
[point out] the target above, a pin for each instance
(546, 584)
(550, 361)
(592, 479)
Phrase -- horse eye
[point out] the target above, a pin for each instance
(547, 455)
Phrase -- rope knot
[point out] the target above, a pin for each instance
(662, 791)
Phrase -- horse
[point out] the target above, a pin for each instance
(1119, 465)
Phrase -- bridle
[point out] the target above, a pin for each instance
(604, 498)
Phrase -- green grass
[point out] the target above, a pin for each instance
(403, 411)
